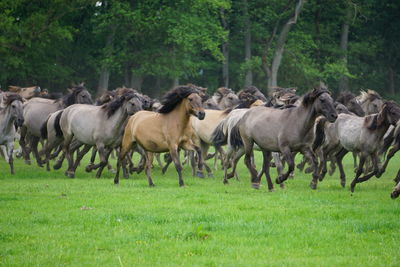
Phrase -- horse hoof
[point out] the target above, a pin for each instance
(88, 168)
(152, 185)
(271, 190)
(210, 175)
(308, 170)
(278, 180)
(352, 186)
(394, 195)
(343, 183)
(313, 186)
(225, 181)
(282, 185)
(28, 162)
(70, 174)
(255, 185)
(200, 174)
(56, 166)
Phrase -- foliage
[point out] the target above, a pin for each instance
(56, 43)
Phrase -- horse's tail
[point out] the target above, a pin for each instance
(218, 137)
(235, 138)
(57, 126)
(319, 133)
(387, 141)
(43, 129)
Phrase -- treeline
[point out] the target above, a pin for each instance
(152, 45)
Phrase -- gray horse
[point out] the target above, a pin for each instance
(363, 135)
(285, 131)
(36, 112)
(100, 126)
(370, 101)
(225, 98)
(11, 115)
(350, 101)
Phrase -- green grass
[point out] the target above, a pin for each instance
(50, 220)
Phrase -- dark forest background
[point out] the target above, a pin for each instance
(153, 45)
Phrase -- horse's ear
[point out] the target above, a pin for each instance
(70, 90)
(82, 84)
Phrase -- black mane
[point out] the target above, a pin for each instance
(111, 107)
(310, 97)
(344, 97)
(70, 99)
(175, 96)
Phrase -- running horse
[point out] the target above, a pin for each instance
(165, 130)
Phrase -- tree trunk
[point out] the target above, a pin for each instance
(225, 53)
(247, 43)
(280, 45)
(136, 81)
(344, 40)
(392, 85)
(105, 70)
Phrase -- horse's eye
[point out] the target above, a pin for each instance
(322, 100)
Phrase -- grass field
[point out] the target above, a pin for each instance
(50, 220)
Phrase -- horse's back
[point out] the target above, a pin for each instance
(349, 129)
(204, 128)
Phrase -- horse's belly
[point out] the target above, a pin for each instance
(156, 147)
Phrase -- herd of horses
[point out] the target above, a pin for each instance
(187, 119)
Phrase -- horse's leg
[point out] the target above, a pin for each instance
(79, 157)
(396, 191)
(288, 156)
(126, 146)
(358, 173)
(227, 160)
(106, 155)
(168, 161)
(375, 163)
(204, 150)
(10, 149)
(265, 169)
(192, 159)
(239, 153)
(302, 164)
(311, 156)
(157, 156)
(34, 141)
(339, 157)
(148, 157)
(248, 150)
(389, 155)
(69, 155)
(89, 167)
(278, 162)
(175, 158)
(189, 146)
(397, 179)
(332, 166)
(22, 143)
(355, 159)
(59, 161)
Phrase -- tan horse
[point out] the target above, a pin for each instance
(25, 92)
(165, 130)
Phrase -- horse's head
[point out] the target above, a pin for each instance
(354, 106)
(194, 105)
(340, 108)
(370, 101)
(322, 102)
(83, 96)
(390, 113)
(230, 100)
(25, 92)
(133, 104)
(210, 104)
(14, 103)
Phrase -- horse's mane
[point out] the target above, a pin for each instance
(370, 95)
(310, 97)
(105, 98)
(11, 97)
(221, 92)
(375, 121)
(175, 96)
(344, 97)
(70, 99)
(250, 90)
(111, 107)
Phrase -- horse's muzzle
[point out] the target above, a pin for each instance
(201, 115)
(19, 122)
(332, 117)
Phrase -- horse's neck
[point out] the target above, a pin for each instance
(117, 120)
(178, 117)
(6, 123)
(307, 117)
